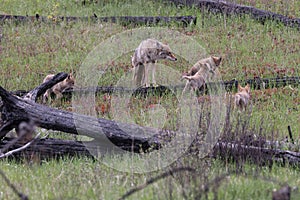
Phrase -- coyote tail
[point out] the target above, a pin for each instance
(186, 77)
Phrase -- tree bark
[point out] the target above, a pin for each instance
(258, 155)
(56, 148)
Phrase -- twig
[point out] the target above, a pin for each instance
(215, 183)
(20, 194)
(290, 134)
(18, 149)
(152, 180)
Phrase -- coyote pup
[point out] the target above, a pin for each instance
(198, 80)
(212, 61)
(199, 73)
(59, 87)
(25, 131)
(242, 97)
(145, 58)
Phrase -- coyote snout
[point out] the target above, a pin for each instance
(145, 58)
(166, 54)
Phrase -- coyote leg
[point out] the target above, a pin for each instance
(139, 74)
(153, 67)
(146, 80)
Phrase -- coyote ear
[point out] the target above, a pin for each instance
(158, 45)
(247, 87)
(217, 60)
(70, 76)
(239, 87)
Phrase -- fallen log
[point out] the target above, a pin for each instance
(255, 83)
(7, 122)
(228, 8)
(185, 20)
(50, 148)
(129, 137)
(258, 155)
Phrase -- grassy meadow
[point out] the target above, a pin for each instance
(31, 50)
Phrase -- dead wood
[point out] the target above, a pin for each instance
(149, 20)
(130, 137)
(57, 148)
(228, 8)
(255, 83)
(48, 148)
(41, 89)
(258, 155)
(9, 122)
(13, 187)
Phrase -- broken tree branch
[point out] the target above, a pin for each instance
(8, 123)
(49, 148)
(20, 194)
(157, 178)
(129, 137)
(3, 155)
(41, 89)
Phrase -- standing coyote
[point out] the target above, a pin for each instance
(59, 87)
(242, 97)
(145, 58)
(199, 73)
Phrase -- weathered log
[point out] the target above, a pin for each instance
(229, 8)
(185, 20)
(256, 83)
(258, 155)
(56, 148)
(15, 110)
(8, 123)
(48, 148)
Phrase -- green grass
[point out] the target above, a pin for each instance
(100, 8)
(84, 179)
(31, 50)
